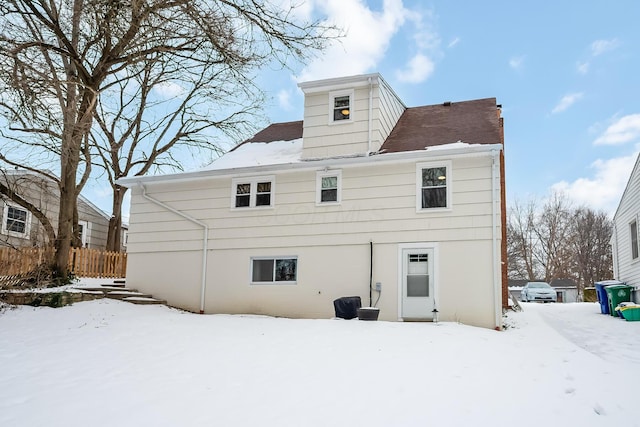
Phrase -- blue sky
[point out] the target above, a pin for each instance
(565, 72)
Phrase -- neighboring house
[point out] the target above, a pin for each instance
(566, 289)
(624, 239)
(403, 207)
(21, 229)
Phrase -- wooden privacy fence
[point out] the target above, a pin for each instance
(83, 262)
(96, 263)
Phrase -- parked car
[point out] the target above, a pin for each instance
(538, 291)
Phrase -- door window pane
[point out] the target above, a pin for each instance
(418, 285)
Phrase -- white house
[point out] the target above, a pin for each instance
(624, 239)
(403, 207)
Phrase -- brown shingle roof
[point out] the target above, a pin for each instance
(473, 122)
(279, 132)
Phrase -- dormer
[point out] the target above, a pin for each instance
(348, 116)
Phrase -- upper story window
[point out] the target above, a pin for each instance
(633, 228)
(433, 181)
(16, 221)
(328, 187)
(341, 103)
(253, 192)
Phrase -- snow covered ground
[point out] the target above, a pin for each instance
(111, 363)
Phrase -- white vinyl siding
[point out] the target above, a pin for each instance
(377, 202)
(625, 267)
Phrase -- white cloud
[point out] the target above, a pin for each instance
(583, 67)
(168, 90)
(604, 189)
(566, 102)
(516, 62)
(453, 42)
(419, 68)
(623, 130)
(284, 100)
(368, 34)
(599, 47)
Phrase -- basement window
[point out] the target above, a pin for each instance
(278, 271)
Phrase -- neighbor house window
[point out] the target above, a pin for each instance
(433, 186)
(252, 192)
(341, 106)
(328, 187)
(16, 221)
(83, 233)
(634, 239)
(274, 270)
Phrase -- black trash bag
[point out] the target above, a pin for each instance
(347, 307)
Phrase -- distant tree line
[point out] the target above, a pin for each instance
(557, 240)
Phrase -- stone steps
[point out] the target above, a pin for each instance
(118, 290)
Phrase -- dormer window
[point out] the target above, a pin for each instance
(341, 103)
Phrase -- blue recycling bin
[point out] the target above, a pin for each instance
(601, 293)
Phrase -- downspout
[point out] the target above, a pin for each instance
(205, 239)
(497, 291)
(370, 273)
(370, 115)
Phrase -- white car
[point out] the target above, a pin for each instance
(538, 291)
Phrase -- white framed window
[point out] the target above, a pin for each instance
(633, 229)
(125, 238)
(433, 186)
(255, 192)
(328, 187)
(341, 105)
(83, 232)
(16, 221)
(274, 270)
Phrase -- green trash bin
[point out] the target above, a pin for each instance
(616, 295)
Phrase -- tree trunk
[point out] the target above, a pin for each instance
(114, 236)
(65, 218)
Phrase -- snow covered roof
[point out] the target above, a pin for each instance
(260, 154)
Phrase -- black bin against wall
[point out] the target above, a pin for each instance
(347, 307)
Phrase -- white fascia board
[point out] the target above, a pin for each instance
(477, 150)
(339, 83)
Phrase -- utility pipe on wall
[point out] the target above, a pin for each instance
(370, 115)
(205, 239)
(497, 294)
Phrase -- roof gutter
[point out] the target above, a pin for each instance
(403, 156)
(205, 239)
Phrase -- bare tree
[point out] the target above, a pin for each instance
(552, 229)
(521, 241)
(590, 237)
(57, 58)
(558, 241)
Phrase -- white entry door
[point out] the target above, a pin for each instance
(417, 283)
